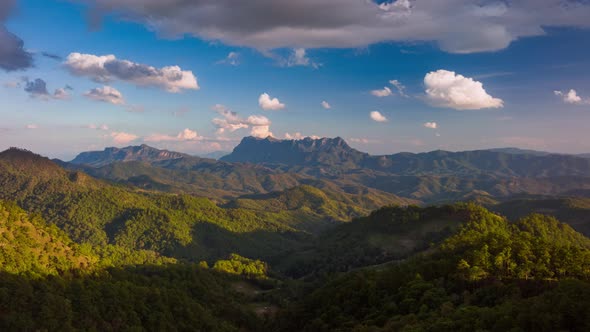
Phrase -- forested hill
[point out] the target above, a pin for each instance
(98, 213)
(335, 154)
(50, 283)
(489, 275)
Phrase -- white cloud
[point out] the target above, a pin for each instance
(447, 89)
(183, 136)
(377, 116)
(232, 59)
(431, 125)
(299, 136)
(32, 126)
(459, 26)
(299, 58)
(258, 120)
(572, 97)
(401, 89)
(230, 121)
(261, 131)
(122, 138)
(269, 104)
(106, 94)
(385, 92)
(326, 105)
(108, 68)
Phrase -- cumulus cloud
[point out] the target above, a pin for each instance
(447, 89)
(572, 97)
(377, 116)
(459, 26)
(106, 94)
(232, 59)
(183, 136)
(230, 121)
(385, 92)
(261, 131)
(269, 104)
(120, 138)
(108, 68)
(13, 55)
(431, 125)
(326, 105)
(299, 136)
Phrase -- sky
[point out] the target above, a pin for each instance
(197, 76)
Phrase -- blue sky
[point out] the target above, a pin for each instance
(516, 103)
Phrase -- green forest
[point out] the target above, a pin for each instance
(82, 254)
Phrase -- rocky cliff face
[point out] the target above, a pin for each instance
(305, 152)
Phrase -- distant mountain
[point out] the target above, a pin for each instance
(305, 152)
(131, 153)
(214, 155)
(521, 151)
(334, 156)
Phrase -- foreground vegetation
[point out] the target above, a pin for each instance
(490, 276)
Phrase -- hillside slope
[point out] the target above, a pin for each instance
(489, 275)
(95, 212)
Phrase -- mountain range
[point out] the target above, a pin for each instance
(307, 235)
(334, 154)
(261, 166)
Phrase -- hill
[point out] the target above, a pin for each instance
(48, 282)
(315, 209)
(29, 245)
(575, 211)
(489, 274)
(194, 176)
(98, 213)
(387, 234)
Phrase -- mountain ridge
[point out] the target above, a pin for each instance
(334, 155)
(131, 153)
